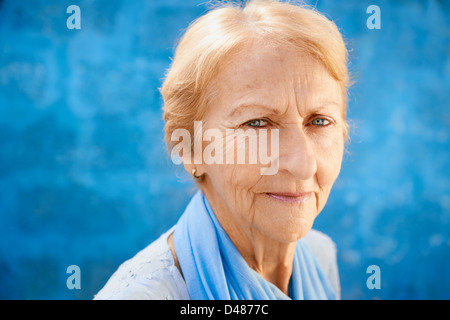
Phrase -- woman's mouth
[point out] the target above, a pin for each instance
(289, 197)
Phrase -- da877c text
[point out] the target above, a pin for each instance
(246, 309)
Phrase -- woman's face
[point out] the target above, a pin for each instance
(267, 87)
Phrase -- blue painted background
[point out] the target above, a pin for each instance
(84, 175)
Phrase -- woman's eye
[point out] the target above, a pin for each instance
(320, 122)
(257, 123)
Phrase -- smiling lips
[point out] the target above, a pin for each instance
(291, 197)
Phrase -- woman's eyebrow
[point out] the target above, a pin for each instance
(326, 106)
(252, 106)
(321, 107)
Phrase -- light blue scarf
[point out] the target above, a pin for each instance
(214, 269)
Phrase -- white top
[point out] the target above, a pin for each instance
(152, 275)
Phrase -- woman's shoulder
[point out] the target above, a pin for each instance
(321, 245)
(150, 274)
(325, 251)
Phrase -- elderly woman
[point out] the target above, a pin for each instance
(246, 235)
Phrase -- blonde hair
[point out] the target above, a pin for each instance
(212, 37)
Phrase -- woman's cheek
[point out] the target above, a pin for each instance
(234, 182)
(242, 181)
(329, 160)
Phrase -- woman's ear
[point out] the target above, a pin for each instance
(195, 170)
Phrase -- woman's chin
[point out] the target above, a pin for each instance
(286, 232)
(285, 221)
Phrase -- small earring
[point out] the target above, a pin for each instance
(193, 174)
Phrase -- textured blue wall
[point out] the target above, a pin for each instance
(84, 175)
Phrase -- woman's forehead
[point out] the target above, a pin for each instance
(271, 78)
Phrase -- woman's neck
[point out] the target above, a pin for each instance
(272, 259)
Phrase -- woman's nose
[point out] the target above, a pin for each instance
(297, 154)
